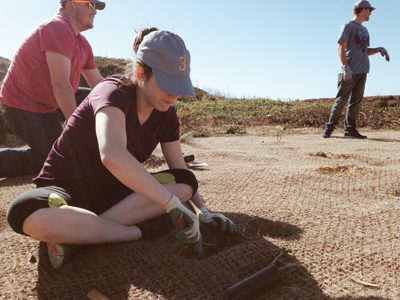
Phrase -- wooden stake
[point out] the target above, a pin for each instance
(96, 295)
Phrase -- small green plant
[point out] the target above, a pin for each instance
(187, 138)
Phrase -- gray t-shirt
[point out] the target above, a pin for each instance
(357, 38)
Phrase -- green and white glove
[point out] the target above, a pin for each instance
(185, 221)
(384, 53)
(347, 74)
(216, 220)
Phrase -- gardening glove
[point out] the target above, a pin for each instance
(384, 53)
(347, 74)
(216, 220)
(184, 220)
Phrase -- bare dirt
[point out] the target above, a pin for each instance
(331, 205)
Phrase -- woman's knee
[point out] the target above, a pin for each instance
(188, 180)
(37, 226)
(23, 206)
(185, 192)
(184, 180)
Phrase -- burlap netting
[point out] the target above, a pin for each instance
(157, 269)
(336, 214)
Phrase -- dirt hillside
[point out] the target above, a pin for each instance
(332, 205)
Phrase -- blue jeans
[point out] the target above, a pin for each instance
(39, 131)
(351, 94)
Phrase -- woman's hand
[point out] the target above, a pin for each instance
(217, 220)
(184, 220)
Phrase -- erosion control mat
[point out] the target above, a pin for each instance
(330, 205)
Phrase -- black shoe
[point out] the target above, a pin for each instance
(327, 132)
(354, 134)
(156, 227)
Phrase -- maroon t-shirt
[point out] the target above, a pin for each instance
(27, 85)
(75, 158)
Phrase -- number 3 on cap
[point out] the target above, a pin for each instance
(182, 65)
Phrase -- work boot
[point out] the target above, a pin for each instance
(156, 227)
(328, 131)
(353, 134)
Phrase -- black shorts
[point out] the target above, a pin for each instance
(95, 198)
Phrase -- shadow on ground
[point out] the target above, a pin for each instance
(163, 269)
(6, 182)
(385, 140)
(369, 139)
(361, 298)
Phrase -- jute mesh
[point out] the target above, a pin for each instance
(338, 215)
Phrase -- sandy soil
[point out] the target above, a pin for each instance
(332, 205)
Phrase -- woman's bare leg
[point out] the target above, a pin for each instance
(135, 208)
(73, 225)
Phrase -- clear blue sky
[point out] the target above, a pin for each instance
(254, 48)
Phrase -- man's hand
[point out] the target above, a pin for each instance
(216, 220)
(347, 74)
(184, 220)
(384, 53)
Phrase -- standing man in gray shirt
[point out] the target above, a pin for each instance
(353, 53)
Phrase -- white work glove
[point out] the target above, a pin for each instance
(347, 74)
(184, 220)
(216, 220)
(384, 53)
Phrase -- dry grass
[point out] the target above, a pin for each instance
(207, 115)
(207, 118)
(339, 170)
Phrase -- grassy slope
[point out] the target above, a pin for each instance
(4, 63)
(206, 114)
(203, 118)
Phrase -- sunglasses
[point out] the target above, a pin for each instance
(91, 5)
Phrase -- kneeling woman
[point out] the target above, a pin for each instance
(93, 187)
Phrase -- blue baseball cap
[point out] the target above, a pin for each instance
(99, 4)
(363, 4)
(166, 53)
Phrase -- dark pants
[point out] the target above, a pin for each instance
(97, 198)
(351, 94)
(39, 131)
